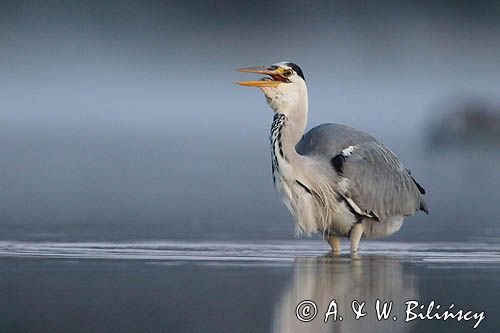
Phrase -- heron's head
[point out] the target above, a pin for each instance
(284, 87)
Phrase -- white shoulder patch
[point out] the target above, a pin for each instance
(348, 151)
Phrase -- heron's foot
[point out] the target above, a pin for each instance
(355, 236)
(334, 242)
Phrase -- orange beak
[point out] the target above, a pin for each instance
(261, 83)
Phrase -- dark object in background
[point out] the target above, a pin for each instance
(471, 123)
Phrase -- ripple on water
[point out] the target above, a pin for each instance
(451, 253)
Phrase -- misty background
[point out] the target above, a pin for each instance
(121, 120)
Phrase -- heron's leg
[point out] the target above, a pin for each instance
(355, 236)
(334, 242)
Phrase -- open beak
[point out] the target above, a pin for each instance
(267, 82)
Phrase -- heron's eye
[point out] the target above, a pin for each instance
(288, 73)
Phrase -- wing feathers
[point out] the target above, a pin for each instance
(379, 184)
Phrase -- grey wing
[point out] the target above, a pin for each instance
(378, 185)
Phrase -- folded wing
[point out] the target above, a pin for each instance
(375, 182)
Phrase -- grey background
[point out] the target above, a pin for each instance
(121, 120)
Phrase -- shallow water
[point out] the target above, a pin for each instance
(241, 287)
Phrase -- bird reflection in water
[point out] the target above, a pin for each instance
(344, 279)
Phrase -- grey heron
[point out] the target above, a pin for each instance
(334, 179)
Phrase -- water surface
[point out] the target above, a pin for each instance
(240, 287)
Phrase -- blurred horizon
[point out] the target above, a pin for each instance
(121, 120)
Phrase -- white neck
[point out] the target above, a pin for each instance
(295, 109)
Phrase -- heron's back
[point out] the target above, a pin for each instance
(329, 139)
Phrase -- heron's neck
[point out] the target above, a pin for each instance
(287, 130)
